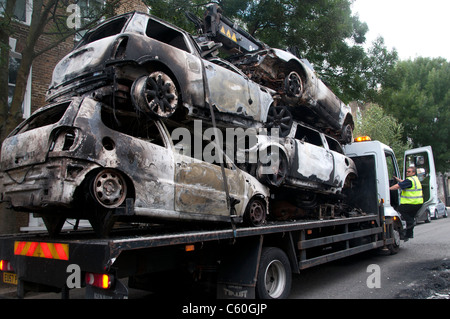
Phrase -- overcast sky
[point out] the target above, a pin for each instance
(414, 27)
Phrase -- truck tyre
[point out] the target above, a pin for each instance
(274, 274)
(395, 247)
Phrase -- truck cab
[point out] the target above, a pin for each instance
(376, 164)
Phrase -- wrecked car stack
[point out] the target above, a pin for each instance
(142, 123)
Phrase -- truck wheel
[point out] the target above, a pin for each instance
(155, 94)
(274, 274)
(395, 247)
(256, 212)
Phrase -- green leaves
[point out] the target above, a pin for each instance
(418, 95)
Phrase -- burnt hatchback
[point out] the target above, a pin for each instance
(137, 61)
(81, 159)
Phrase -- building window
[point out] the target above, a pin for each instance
(22, 10)
(89, 10)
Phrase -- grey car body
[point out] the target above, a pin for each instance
(73, 160)
(306, 159)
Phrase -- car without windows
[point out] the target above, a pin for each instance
(81, 159)
(305, 159)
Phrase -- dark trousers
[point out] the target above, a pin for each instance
(409, 213)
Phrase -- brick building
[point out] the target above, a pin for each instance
(40, 77)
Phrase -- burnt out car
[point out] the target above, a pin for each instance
(306, 159)
(295, 85)
(137, 61)
(307, 98)
(81, 159)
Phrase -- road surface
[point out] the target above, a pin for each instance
(421, 269)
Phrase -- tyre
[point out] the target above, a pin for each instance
(155, 94)
(256, 212)
(428, 217)
(108, 190)
(274, 277)
(279, 118)
(293, 85)
(395, 246)
(272, 168)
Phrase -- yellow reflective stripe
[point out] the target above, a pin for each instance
(42, 250)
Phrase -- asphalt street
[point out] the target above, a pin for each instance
(421, 269)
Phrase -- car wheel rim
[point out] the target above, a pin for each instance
(256, 214)
(109, 189)
(279, 118)
(156, 94)
(294, 85)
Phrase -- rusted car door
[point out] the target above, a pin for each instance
(199, 187)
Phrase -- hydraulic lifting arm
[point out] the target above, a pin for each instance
(215, 27)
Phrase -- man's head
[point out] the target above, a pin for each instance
(410, 171)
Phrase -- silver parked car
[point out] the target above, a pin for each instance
(82, 159)
(441, 210)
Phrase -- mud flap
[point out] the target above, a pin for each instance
(238, 270)
(120, 291)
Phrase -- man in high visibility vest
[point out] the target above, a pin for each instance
(411, 199)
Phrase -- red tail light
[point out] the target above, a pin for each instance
(103, 281)
(5, 266)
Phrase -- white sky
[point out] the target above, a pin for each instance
(414, 27)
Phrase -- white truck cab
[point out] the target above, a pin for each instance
(376, 164)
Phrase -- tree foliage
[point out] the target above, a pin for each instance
(48, 17)
(417, 93)
(373, 121)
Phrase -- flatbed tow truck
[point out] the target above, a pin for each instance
(232, 262)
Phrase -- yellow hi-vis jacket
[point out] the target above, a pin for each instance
(414, 194)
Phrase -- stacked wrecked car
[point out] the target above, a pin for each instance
(138, 128)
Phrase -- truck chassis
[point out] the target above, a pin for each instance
(237, 262)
